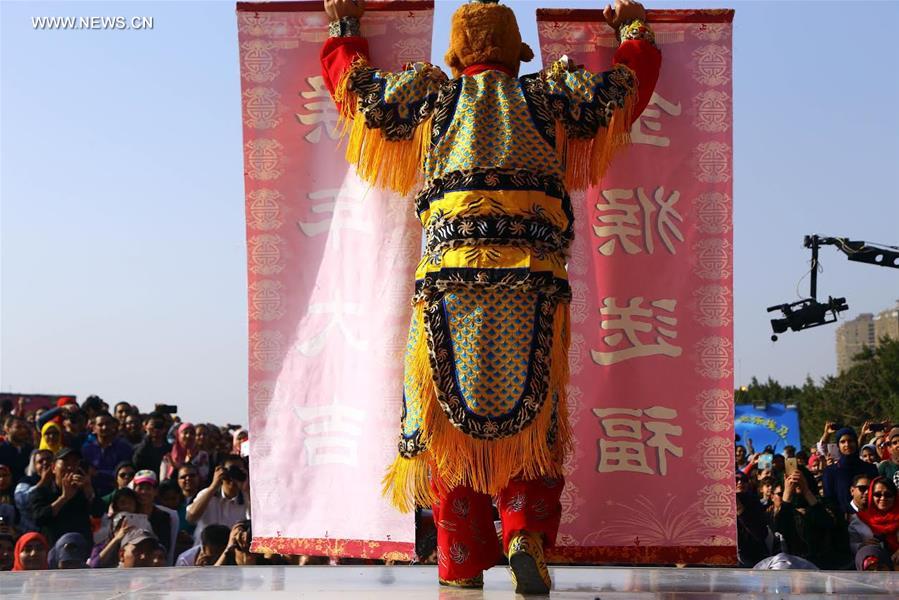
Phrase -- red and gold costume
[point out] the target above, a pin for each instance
(495, 155)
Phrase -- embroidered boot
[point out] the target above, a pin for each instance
(529, 572)
(476, 582)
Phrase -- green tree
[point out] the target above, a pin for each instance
(868, 391)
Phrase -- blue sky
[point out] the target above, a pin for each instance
(121, 191)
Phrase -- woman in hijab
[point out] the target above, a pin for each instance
(39, 473)
(239, 436)
(51, 437)
(838, 477)
(881, 522)
(869, 454)
(184, 450)
(751, 527)
(31, 552)
(70, 552)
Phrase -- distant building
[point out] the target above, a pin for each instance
(886, 324)
(852, 336)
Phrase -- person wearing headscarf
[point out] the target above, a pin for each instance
(31, 552)
(869, 454)
(889, 466)
(39, 473)
(70, 552)
(809, 528)
(878, 523)
(239, 437)
(51, 437)
(838, 477)
(873, 558)
(184, 450)
(752, 530)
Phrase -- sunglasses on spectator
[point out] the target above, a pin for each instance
(126, 474)
(187, 476)
(862, 488)
(883, 494)
(158, 425)
(780, 493)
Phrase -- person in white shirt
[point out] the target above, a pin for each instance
(227, 499)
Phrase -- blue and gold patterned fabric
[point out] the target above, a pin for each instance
(490, 354)
(498, 225)
(397, 103)
(491, 333)
(491, 127)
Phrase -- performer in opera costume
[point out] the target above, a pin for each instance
(487, 357)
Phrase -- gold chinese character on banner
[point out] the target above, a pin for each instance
(339, 211)
(621, 426)
(322, 113)
(651, 119)
(624, 325)
(632, 222)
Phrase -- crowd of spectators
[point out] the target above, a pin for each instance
(81, 486)
(831, 507)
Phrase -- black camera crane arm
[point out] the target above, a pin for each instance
(865, 252)
(808, 312)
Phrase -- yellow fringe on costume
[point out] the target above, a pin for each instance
(386, 164)
(484, 465)
(586, 161)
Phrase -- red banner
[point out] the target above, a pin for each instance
(651, 479)
(330, 265)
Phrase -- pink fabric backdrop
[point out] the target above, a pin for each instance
(330, 266)
(652, 475)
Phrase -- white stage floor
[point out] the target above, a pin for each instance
(401, 583)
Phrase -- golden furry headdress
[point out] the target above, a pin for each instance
(485, 32)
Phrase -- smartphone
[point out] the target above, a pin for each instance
(834, 451)
(765, 461)
(245, 448)
(167, 408)
(877, 427)
(790, 465)
(136, 520)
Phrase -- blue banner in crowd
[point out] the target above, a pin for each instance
(775, 426)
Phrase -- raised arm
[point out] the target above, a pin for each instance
(345, 44)
(596, 110)
(637, 50)
(387, 114)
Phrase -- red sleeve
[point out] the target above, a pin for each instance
(644, 59)
(337, 56)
